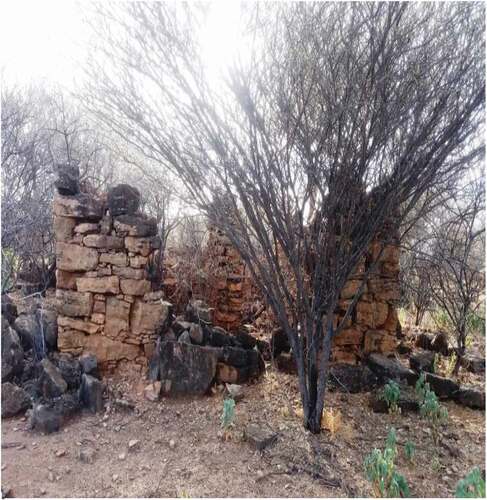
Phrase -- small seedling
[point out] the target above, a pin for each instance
(391, 396)
(228, 415)
(471, 486)
(436, 363)
(409, 450)
(421, 387)
(432, 410)
(380, 470)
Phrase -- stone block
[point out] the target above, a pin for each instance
(63, 228)
(70, 303)
(66, 279)
(135, 225)
(142, 246)
(80, 206)
(108, 284)
(117, 317)
(77, 324)
(149, 317)
(75, 258)
(350, 289)
(380, 341)
(98, 318)
(86, 227)
(99, 307)
(135, 287)
(138, 261)
(117, 259)
(71, 341)
(123, 199)
(129, 273)
(349, 336)
(103, 241)
(372, 314)
(14, 400)
(106, 349)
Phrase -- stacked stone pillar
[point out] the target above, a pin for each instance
(105, 253)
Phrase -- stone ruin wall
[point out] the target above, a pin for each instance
(372, 326)
(105, 301)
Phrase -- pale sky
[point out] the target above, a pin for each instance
(46, 39)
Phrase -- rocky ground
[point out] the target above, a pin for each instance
(175, 447)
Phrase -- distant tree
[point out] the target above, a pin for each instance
(342, 117)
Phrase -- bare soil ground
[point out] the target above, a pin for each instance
(199, 463)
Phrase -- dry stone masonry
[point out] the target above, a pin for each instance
(104, 252)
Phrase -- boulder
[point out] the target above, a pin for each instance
(79, 206)
(245, 339)
(473, 397)
(233, 356)
(423, 340)
(279, 342)
(441, 344)
(51, 381)
(67, 182)
(47, 319)
(220, 338)
(345, 377)
(286, 363)
(407, 401)
(70, 369)
(45, 419)
(67, 405)
(445, 388)
(135, 225)
(12, 353)
(390, 368)
(422, 361)
(123, 199)
(75, 258)
(28, 329)
(197, 311)
(186, 368)
(178, 326)
(185, 338)
(14, 400)
(146, 317)
(89, 364)
(91, 393)
(86, 228)
(472, 363)
(9, 309)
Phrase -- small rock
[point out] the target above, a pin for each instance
(51, 380)
(60, 453)
(172, 444)
(235, 391)
(14, 400)
(91, 393)
(50, 476)
(133, 444)
(45, 419)
(87, 455)
(122, 456)
(153, 391)
(259, 437)
(43, 491)
(115, 477)
(260, 473)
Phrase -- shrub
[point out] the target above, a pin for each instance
(391, 395)
(434, 412)
(471, 486)
(409, 450)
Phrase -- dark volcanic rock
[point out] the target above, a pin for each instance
(440, 344)
(445, 388)
(473, 397)
(47, 319)
(67, 404)
(123, 199)
(135, 225)
(45, 419)
(246, 340)
(91, 393)
(474, 364)
(233, 356)
(351, 378)
(286, 363)
(67, 182)
(422, 361)
(424, 340)
(89, 364)
(51, 381)
(197, 312)
(70, 369)
(390, 368)
(220, 338)
(279, 342)
(9, 309)
(12, 353)
(14, 400)
(28, 328)
(265, 349)
(407, 401)
(186, 368)
(185, 338)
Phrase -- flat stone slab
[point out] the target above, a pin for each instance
(259, 437)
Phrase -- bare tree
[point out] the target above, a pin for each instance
(340, 120)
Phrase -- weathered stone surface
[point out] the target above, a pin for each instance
(286, 363)
(149, 317)
(12, 353)
(186, 368)
(142, 246)
(110, 350)
(135, 287)
(227, 374)
(133, 225)
(184, 338)
(107, 284)
(219, 337)
(27, 327)
(473, 397)
(372, 314)
(153, 391)
(9, 309)
(233, 356)
(71, 340)
(380, 341)
(63, 228)
(98, 318)
(52, 382)
(78, 324)
(66, 279)
(390, 368)
(14, 400)
(474, 364)
(67, 182)
(351, 378)
(117, 317)
(441, 344)
(349, 336)
(80, 206)
(103, 241)
(422, 361)
(196, 333)
(75, 258)
(117, 259)
(444, 387)
(259, 437)
(407, 401)
(91, 393)
(129, 273)
(123, 199)
(70, 369)
(47, 319)
(138, 261)
(86, 227)
(99, 307)
(197, 311)
(70, 303)
(106, 224)
(351, 288)
(153, 296)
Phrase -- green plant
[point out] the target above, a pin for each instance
(436, 363)
(421, 387)
(435, 412)
(381, 471)
(409, 450)
(228, 413)
(451, 363)
(471, 486)
(391, 395)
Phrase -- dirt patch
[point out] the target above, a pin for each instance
(181, 451)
